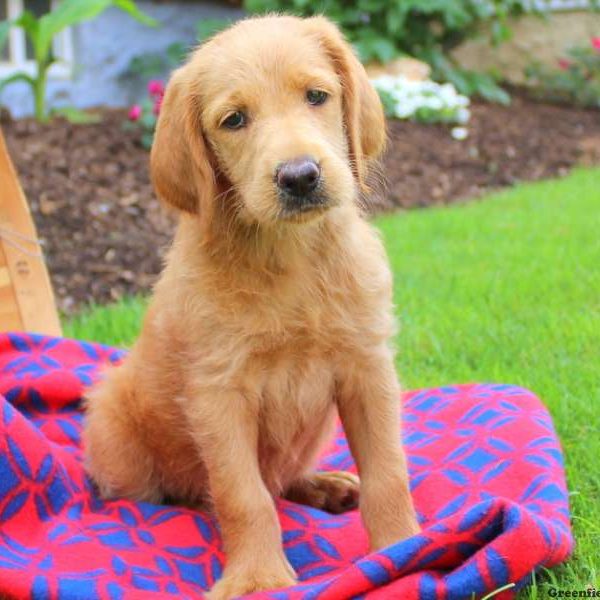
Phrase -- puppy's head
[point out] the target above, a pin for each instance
(275, 117)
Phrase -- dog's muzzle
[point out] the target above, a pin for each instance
(299, 184)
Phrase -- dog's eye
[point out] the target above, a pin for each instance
(316, 97)
(235, 120)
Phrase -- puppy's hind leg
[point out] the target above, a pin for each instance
(115, 456)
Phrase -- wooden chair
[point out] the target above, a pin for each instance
(26, 298)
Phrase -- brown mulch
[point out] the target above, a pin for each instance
(525, 141)
(104, 232)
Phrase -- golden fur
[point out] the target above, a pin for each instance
(263, 323)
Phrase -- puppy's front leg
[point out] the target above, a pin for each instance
(226, 431)
(368, 402)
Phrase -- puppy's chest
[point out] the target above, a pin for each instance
(296, 400)
(293, 378)
(305, 320)
(294, 369)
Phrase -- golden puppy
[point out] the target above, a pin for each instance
(274, 307)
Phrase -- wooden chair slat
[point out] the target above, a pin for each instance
(26, 298)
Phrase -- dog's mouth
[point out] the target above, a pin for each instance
(303, 216)
(303, 208)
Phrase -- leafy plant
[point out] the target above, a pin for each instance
(143, 116)
(206, 28)
(76, 116)
(41, 32)
(469, 83)
(155, 64)
(427, 29)
(577, 79)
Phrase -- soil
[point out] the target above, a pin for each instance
(104, 232)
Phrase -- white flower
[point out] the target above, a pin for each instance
(459, 133)
(441, 102)
(463, 115)
(404, 110)
(434, 103)
(385, 83)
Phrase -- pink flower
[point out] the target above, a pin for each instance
(135, 112)
(596, 43)
(156, 87)
(564, 64)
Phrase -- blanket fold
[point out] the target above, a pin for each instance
(486, 475)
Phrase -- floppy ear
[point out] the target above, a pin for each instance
(180, 163)
(363, 113)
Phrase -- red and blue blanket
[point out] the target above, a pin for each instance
(486, 471)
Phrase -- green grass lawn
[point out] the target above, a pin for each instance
(506, 289)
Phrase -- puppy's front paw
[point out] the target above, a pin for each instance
(333, 491)
(237, 581)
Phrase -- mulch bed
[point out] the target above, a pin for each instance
(104, 232)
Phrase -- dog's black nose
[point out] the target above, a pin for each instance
(299, 176)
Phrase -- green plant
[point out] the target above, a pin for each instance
(155, 64)
(143, 116)
(42, 31)
(577, 79)
(208, 27)
(427, 29)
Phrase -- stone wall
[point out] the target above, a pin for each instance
(544, 39)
